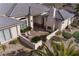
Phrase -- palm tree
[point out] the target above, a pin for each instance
(58, 49)
(45, 51)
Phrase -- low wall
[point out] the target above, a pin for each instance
(26, 41)
(29, 43)
(51, 35)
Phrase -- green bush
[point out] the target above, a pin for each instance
(76, 35)
(23, 30)
(35, 39)
(26, 29)
(66, 35)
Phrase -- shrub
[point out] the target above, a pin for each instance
(66, 35)
(26, 29)
(35, 39)
(23, 30)
(58, 33)
(15, 41)
(76, 35)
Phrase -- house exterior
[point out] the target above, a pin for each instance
(56, 19)
(50, 19)
(9, 29)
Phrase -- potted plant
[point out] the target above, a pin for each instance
(28, 29)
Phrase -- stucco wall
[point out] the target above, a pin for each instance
(50, 23)
(66, 22)
(51, 35)
(14, 32)
(38, 19)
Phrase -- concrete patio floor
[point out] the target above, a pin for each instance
(37, 33)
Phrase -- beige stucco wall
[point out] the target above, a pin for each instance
(14, 32)
(51, 22)
(66, 22)
(38, 19)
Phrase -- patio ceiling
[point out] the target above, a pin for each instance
(21, 9)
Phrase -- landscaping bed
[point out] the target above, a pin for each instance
(12, 47)
(76, 35)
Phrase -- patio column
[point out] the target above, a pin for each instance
(31, 22)
(27, 22)
(46, 25)
(53, 28)
(46, 22)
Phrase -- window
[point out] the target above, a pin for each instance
(23, 26)
(2, 39)
(7, 34)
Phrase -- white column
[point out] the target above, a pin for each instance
(54, 12)
(46, 22)
(31, 22)
(27, 22)
(18, 28)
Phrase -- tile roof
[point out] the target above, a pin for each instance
(6, 22)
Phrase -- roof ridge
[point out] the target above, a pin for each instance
(60, 14)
